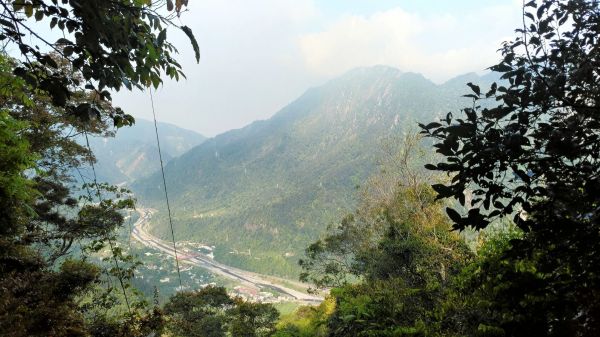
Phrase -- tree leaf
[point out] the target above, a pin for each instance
(39, 15)
(475, 88)
(192, 38)
(454, 215)
(162, 36)
(431, 125)
(179, 4)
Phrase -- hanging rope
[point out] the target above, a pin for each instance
(110, 243)
(162, 169)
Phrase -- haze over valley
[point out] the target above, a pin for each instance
(262, 193)
(134, 153)
(299, 168)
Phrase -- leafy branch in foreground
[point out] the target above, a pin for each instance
(111, 44)
(49, 100)
(537, 136)
(530, 149)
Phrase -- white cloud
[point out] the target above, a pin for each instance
(440, 46)
(257, 56)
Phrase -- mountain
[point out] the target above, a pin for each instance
(133, 154)
(262, 193)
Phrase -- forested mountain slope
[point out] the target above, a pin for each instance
(133, 154)
(260, 194)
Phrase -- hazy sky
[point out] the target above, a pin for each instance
(259, 55)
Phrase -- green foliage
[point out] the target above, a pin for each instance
(15, 189)
(110, 44)
(37, 302)
(46, 101)
(385, 308)
(307, 321)
(253, 319)
(42, 281)
(532, 283)
(540, 137)
(400, 255)
(407, 278)
(534, 156)
(210, 312)
(272, 187)
(397, 232)
(202, 313)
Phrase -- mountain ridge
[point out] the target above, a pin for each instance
(272, 187)
(132, 153)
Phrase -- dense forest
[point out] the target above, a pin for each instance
(484, 222)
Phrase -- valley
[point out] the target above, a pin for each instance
(130, 153)
(338, 193)
(251, 284)
(262, 193)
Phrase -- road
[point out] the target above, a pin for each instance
(246, 278)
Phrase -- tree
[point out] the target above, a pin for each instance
(541, 140)
(253, 319)
(210, 312)
(307, 321)
(393, 261)
(396, 203)
(47, 99)
(41, 281)
(110, 44)
(529, 148)
(200, 313)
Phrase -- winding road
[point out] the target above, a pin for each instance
(246, 278)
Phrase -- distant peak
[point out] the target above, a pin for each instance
(379, 69)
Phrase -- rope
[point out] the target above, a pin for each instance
(110, 243)
(162, 169)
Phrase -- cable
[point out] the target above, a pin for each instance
(110, 243)
(162, 169)
(130, 231)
